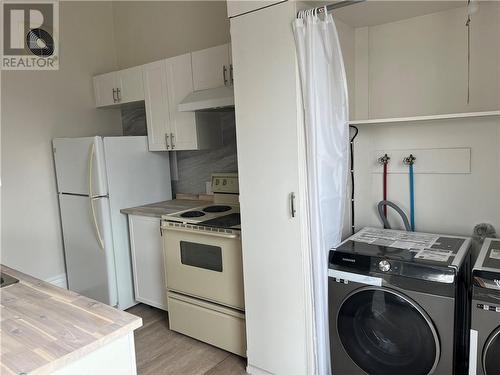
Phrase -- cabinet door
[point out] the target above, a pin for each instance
(156, 103)
(130, 85)
(105, 89)
(267, 108)
(180, 83)
(211, 67)
(147, 261)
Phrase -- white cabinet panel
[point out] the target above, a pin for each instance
(180, 83)
(268, 109)
(147, 261)
(156, 103)
(211, 67)
(130, 85)
(105, 89)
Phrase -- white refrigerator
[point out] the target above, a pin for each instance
(96, 177)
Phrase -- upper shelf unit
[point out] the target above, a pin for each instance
(424, 118)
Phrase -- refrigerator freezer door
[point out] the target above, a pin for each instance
(75, 159)
(90, 268)
(135, 177)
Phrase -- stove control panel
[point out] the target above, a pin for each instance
(226, 183)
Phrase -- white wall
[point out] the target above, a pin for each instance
(445, 203)
(417, 66)
(147, 31)
(36, 107)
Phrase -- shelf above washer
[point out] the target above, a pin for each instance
(425, 118)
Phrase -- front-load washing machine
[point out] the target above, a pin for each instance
(485, 325)
(398, 303)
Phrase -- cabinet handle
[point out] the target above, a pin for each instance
(292, 204)
(172, 140)
(118, 94)
(231, 79)
(224, 71)
(166, 141)
(114, 97)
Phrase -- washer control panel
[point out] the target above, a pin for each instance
(484, 306)
(384, 265)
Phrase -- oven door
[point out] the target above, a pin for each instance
(204, 263)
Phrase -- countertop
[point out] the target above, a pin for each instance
(44, 328)
(164, 208)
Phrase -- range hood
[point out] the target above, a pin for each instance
(210, 99)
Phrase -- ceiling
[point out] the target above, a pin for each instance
(376, 12)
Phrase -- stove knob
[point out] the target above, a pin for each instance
(384, 266)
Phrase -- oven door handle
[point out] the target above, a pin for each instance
(208, 233)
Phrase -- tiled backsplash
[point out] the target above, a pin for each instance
(193, 167)
(134, 119)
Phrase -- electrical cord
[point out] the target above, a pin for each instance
(356, 131)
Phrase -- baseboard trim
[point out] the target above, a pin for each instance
(59, 280)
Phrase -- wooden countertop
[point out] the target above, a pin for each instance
(44, 328)
(165, 207)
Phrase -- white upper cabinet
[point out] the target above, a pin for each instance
(163, 85)
(130, 85)
(238, 7)
(211, 68)
(156, 103)
(105, 89)
(166, 83)
(120, 87)
(180, 84)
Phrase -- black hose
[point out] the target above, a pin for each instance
(380, 208)
(356, 131)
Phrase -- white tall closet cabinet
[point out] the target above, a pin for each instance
(271, 167)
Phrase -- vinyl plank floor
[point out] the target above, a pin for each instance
(162, 351)
(232, 365)
(148, 314)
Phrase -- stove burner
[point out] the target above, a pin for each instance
(192, 214)
(216, 208)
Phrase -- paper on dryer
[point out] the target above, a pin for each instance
(435, 255)
(395, 238)
(495, 254)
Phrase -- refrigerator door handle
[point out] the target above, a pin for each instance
(91, 197)
(96, 226)
(91, 163)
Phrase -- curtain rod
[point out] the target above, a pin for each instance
(340, 4)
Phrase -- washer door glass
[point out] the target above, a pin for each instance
(386, 333)
(491, 356)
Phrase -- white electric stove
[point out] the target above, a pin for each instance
(204, 270)
(223, 213)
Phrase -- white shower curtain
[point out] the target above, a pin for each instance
(324, 90)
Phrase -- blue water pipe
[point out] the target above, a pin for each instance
(412, 198)
(409, 161)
